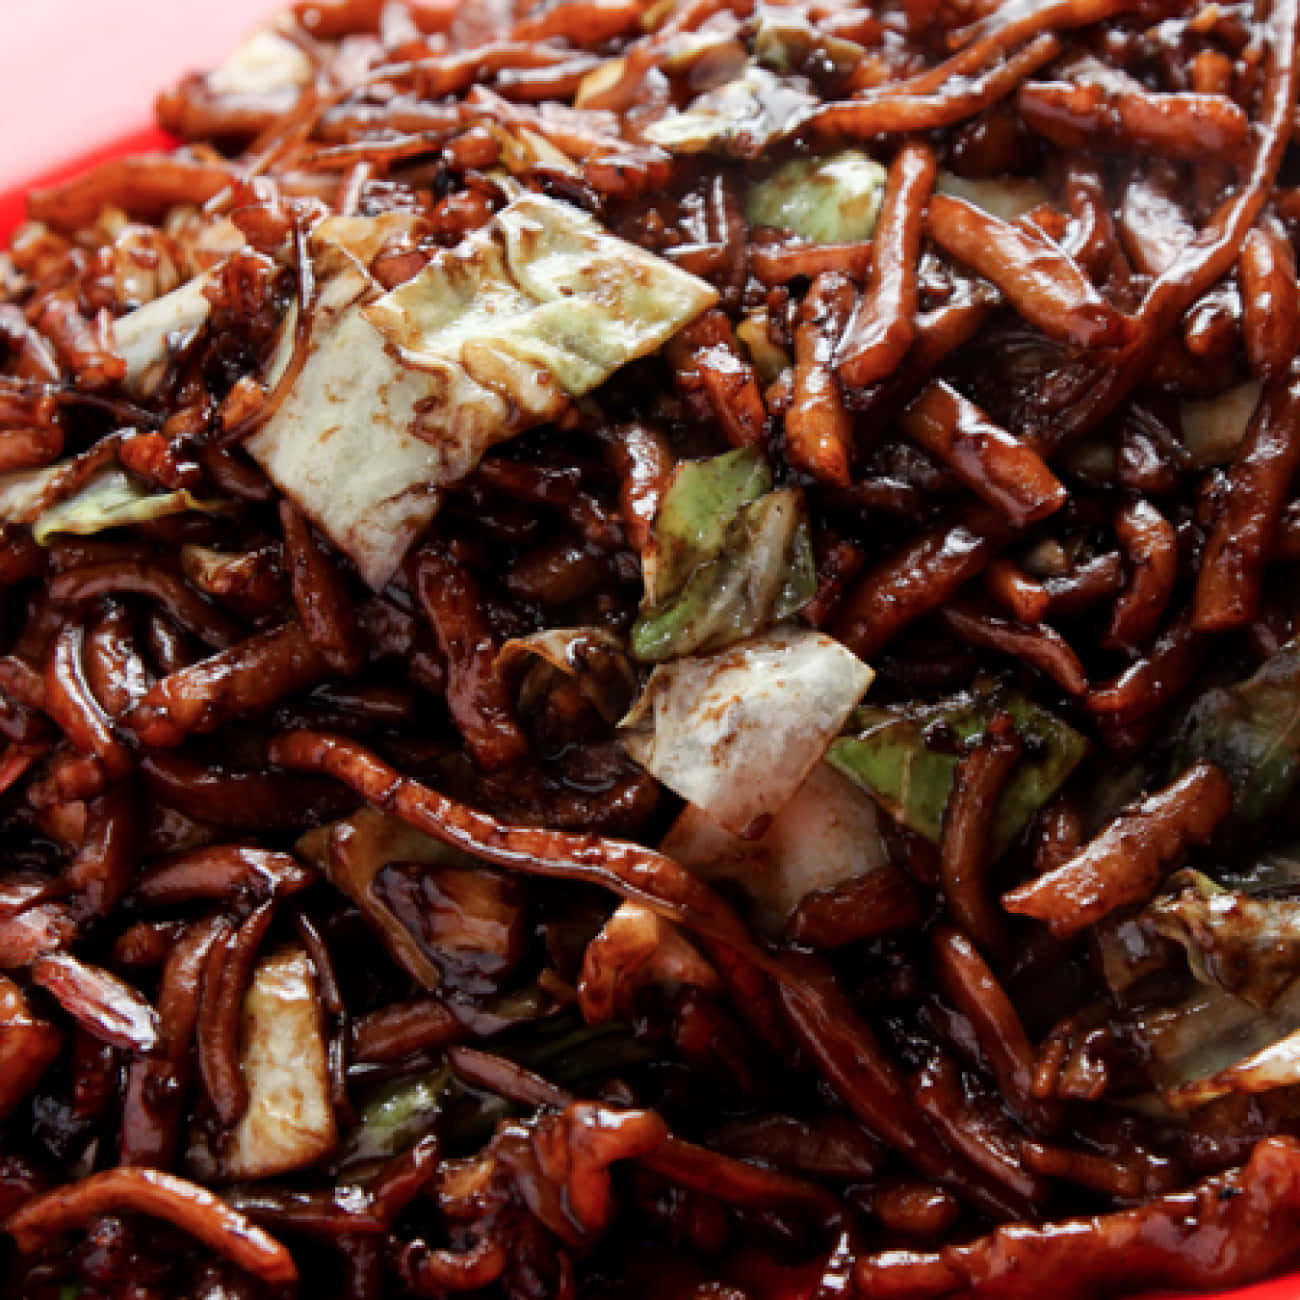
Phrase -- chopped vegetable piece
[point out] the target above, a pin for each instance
(1213, 427)
(146, 336)
(339, 445)
(1249, 946)
(736, 732)
(740, 117)
(825, 835)
(396, 1117)
(113, 499)
(539, 306)
(593, 657)
(402, 395)
(828, 200)
(728, 557)
(1252, 732)
(352, 852)
(289, 1122)
(888, 755)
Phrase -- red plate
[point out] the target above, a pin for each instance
(77, 79)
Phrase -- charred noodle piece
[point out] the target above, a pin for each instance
(778, 262)
(1092, 242)
(686, 1165)
(890, 111)
(1259, 482)
(818, 426)
(157, 1086)
(1017, 20)
(1127, 860)
(964, 848)
(628, 869)
(28, 1046)
(1039, 279)
(330, 19)
(324, 607)
(69, 701)
(1216, 247)
(477, 697)
(226, 977)
(965, 978)
(1086, 117)
(247, 678)
(644, 463)
(1001, 469)
(869, 1082)
(581, 22)
(919, 578)
(705, 353)
(113, 669)
(736, 1182)
(191, 1208)
(965, 1115)
(1153, 681)
(227, 872)
(1040, 645)
(101, 871)
(881, 329)
(1266, 270)
(1228, 1230)
(144, 185)
(883, 901)
(1151, 548)
(250, 800)
(28, 448)
(397, 1030)
(76, 588)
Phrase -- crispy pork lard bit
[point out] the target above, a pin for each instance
(736, 732)
(402, 394)
(825, 835)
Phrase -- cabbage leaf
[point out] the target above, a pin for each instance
(353, 851)
(113, 499)
(1250, 730)
(1248, 946)
(887, 755)
(737, 731)
(339, 445)
(825, 835)
(828, 200)
(728, 557)
(592, 656)
(146, 335)
(741, 118)
(289, 1122)
(402, 393)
